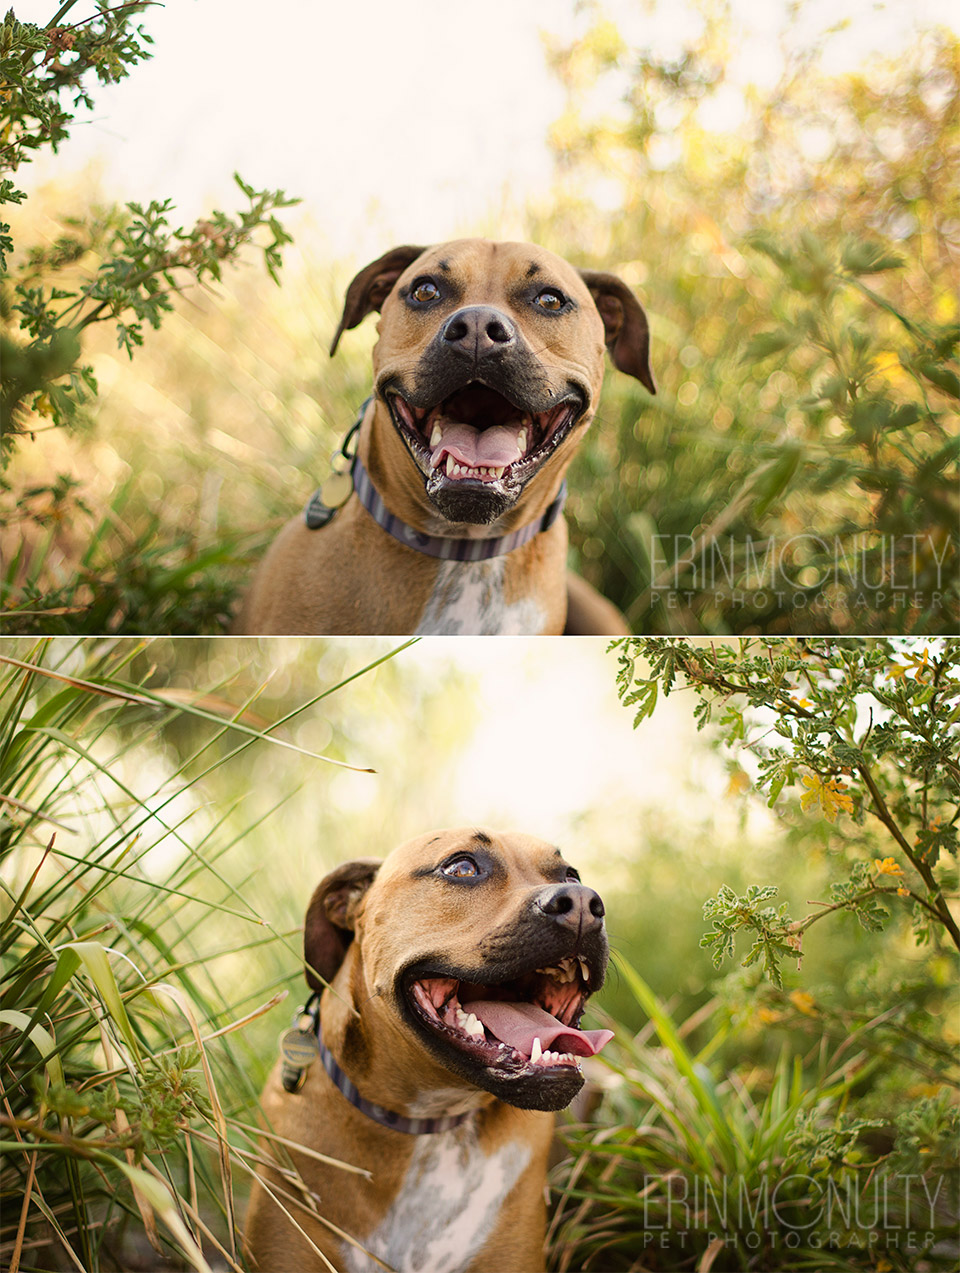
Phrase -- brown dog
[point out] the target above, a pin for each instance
(486, 375)
(449, 1116)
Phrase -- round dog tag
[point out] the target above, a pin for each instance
(298, 1050)
(336, 489)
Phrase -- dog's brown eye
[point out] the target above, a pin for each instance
(551, 299)
(573, 876)
(461, 868)
(425, 291)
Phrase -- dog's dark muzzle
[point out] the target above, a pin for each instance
(511, 1022)
(480, 415)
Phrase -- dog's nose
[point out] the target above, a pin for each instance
(573, 905)
(479, 330)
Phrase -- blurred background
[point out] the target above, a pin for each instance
(776, 182)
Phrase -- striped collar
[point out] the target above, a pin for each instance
(448, 549)
(318, 514)
(385, 1117)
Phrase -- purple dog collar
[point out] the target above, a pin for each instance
(385, 1117)
(439, 546)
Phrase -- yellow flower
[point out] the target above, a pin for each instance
(903, 892)
(918, 663)
(803, 1002)
(888, 866)
(739, 781)
(829, 795)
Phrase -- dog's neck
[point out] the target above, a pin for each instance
(446, 547)
(362, 1045)
(423, 1120)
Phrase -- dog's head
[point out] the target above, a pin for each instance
(490, 362)
(478, 948)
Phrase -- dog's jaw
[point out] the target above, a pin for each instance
(477, 448)
(444, 1006)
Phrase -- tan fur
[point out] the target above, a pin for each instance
(351, 577)
(396, 921)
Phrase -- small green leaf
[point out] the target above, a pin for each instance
(763, 344)
(777, 479)
(942, 377)
(864, 257)
(905, 415)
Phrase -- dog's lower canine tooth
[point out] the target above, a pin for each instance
(536, 1052)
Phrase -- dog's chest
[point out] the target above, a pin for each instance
(447, 1206)
(467, 600)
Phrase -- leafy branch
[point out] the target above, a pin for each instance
(119, 266)
(863, 727)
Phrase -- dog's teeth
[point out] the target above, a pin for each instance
(536, 1053)
(469, 1023)
(436, 437)
(496, 472)
(522, 440)
(585, 970)
(451, 465)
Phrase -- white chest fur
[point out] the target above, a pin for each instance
(447, 1205)
(467, 600)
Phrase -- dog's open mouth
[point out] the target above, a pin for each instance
(477, 439)
(520, 1038)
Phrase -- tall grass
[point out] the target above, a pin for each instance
(128, 1079)
(692, 1165)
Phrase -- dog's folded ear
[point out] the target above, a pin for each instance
(625, 325)
(372, 286)
(331, 917)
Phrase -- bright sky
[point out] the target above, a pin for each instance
(393, 122)
(552, 744)
(555, 740)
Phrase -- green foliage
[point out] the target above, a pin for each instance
(866, 728)
(689, 1163)
(131, 579)
(797, 470)
(730, 913)
(121, 267)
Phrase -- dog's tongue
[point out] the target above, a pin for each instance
(518, 1024)
(494, 448)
